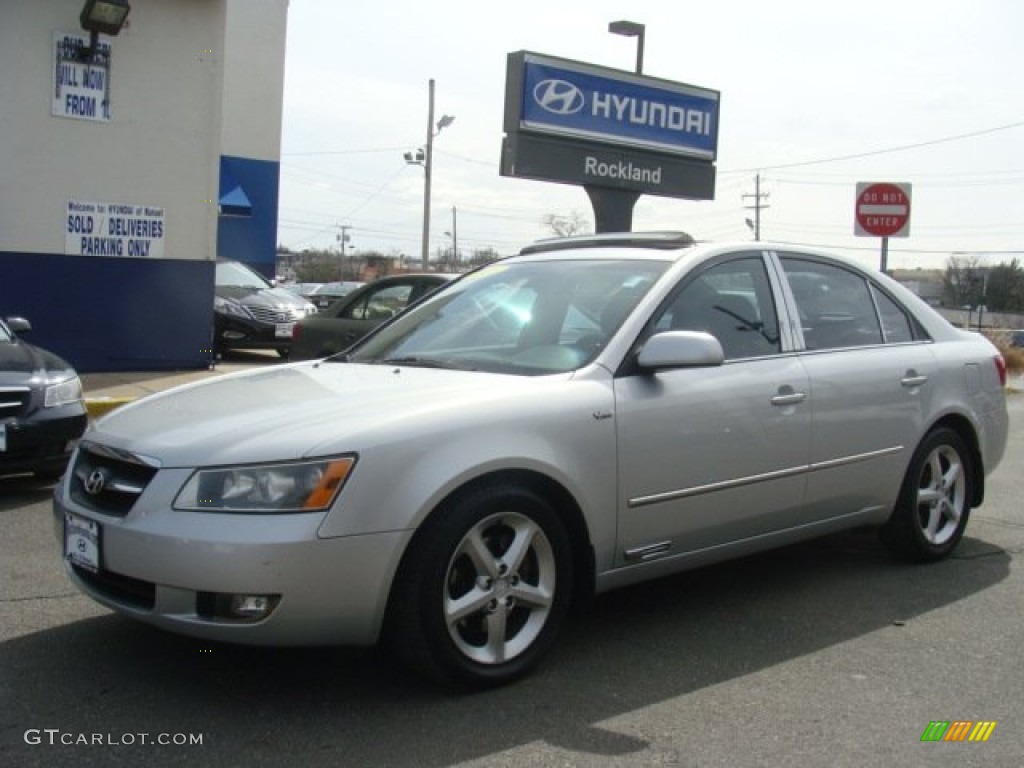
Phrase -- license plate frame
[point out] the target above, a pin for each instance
(82, 542)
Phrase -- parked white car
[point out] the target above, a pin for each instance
(589, 414)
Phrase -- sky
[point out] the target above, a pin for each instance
(815, 97)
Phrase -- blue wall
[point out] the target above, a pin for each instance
(113, 314)
(251, 239)
(126, 314)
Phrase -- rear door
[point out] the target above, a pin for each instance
(871, 375)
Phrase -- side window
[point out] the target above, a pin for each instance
(896, 326)
(835, 305)
(380, 304)
(733, 302)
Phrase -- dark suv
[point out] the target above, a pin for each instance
(250, 313)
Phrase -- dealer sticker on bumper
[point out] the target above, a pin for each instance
(82, 542)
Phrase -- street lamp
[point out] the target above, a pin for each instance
(425, 157)
(631, 29)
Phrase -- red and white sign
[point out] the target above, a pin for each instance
(883, 210)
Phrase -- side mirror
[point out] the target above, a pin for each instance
(680, 349)
(18, 324)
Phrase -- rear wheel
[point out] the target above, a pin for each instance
(935, 500)
(484, 589)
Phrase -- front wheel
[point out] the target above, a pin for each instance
(935, 500)
(484, 589)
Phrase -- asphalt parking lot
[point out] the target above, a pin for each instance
(823, 654)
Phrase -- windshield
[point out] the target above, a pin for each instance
(529, 318)
(5, 335)
(234, 275)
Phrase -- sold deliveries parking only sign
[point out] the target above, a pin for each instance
(114, 229)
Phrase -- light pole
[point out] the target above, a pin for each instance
(631, 29)
(426, 159)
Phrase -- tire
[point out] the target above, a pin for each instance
(484, 589)
(935, 500)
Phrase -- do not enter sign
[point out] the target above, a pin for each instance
(883, 210)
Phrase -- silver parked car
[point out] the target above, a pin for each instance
(589, 414)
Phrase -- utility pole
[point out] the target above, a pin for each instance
(758, 195)
(343, 241)
(455, 237)
(425, 251)
(343, 237)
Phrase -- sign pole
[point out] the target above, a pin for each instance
(613, 208)
(884, 263)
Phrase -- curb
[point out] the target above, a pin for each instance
(100, 406)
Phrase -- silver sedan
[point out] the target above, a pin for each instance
(589, 414)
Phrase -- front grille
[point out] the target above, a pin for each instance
(120, 589)
(267, 314)
(108, 481)
(14, 401)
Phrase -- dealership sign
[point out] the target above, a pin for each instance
(113, 229)
(576, 100)
(550, 158)
(577, 123)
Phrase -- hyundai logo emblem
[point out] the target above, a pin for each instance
(95, 482)
(559, 97)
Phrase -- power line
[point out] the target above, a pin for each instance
(900, 148)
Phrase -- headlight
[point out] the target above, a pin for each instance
(302, 486)
(229, 307)
(64, 393)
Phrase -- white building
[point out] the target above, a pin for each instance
(125, 176)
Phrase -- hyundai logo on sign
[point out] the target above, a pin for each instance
(558, 96)
(568, 98)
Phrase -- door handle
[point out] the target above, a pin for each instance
(912, 379)
(788, 396)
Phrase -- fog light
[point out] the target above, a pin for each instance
(221, 606)
(251, 606)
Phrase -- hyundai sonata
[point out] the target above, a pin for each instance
(586, 415)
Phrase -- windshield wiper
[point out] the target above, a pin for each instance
(424, 362)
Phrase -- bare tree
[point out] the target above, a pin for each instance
(565, 226)
(961, 280)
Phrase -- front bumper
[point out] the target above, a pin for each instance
(42, 443)
(233, 332)
(159, 566)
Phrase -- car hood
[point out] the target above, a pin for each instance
(304, 409)
(22, 363)
(270, 297)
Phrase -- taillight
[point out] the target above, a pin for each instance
(1000, 368)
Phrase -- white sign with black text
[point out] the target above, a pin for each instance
(81, 89)
(113, 229)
